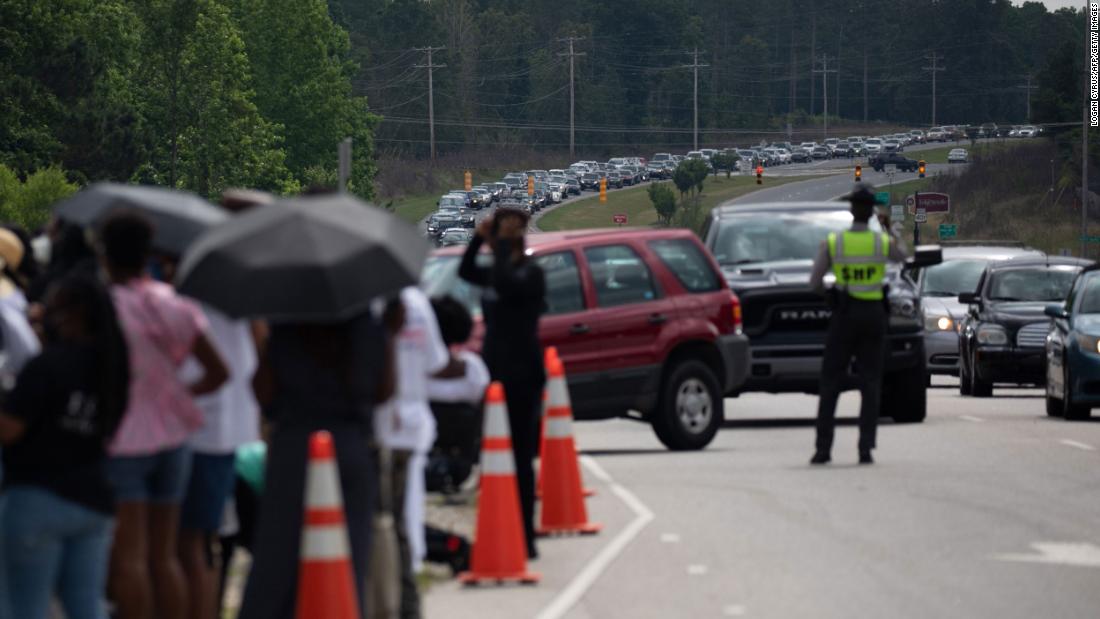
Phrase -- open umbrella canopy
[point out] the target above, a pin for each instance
(179, 216)
(309, 259)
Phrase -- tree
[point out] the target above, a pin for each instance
(302, 75)
(664, 201)
(698, 169)
(683, 178)
(724, 161)
(29, 203)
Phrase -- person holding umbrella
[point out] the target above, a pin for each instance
(315, 268)
(515, 291)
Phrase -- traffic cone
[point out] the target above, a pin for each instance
(500, 550)
(563, 509)
(549, 356)
(326, 585)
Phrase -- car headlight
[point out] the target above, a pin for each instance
(903, 306)
(934, 322)
(992, 335)
(1088, 343)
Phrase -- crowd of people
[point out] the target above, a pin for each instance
(146, 435)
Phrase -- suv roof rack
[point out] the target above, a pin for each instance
(983, 243)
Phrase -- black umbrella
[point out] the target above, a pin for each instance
(179, 216)
(316, 259)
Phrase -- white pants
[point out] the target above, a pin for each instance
(415, 501)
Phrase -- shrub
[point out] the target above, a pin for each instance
(664, 201)
(29, 203)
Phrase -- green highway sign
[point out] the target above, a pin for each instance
(1090, 239)
(882, 197)
(949, 231)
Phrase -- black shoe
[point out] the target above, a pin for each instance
(820, 458)
(865, 457)
(532, 553)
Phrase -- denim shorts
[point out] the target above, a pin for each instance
(156, 478)
(212, 478)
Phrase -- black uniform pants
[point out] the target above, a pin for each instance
(857, 330)
(524, 398)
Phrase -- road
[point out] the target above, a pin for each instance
(988, 509)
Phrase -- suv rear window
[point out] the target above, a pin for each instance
(620, 276)
(563, 283)
(687, 263)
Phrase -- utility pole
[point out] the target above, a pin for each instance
(825, 71)
(865, 83)
(813, 55)
(431, 95)
(1029, 88)
(934, 69)
(571, 54)
(695, 66)
(839, 49)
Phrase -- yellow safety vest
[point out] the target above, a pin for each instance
(859, 262)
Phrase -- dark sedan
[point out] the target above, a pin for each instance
(1003, 336)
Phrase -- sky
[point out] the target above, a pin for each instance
(1054, 5)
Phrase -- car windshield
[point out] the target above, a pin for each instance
(440, 277)
(952, 278)
(1090, 295)
(1031, 284)
(767, 237)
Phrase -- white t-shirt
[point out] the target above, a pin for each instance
(405, 421)
(20, 344)
(232, 415)
(469, 387)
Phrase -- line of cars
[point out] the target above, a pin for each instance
(1000, 314)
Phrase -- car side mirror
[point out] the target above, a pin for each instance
(1056, 311)
(969, 298)
(925, 256)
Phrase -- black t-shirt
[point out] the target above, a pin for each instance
(63, 448)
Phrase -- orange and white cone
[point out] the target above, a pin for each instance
(499, 552)
(563, 509)
(326, 585)
(549, 356)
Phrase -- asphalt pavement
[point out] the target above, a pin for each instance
(987, 509)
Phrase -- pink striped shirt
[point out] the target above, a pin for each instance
(160, 328)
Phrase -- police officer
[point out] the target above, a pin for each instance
(857, 257)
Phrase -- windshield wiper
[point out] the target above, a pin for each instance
(742, 261)
(1004, 299)
(940, 293)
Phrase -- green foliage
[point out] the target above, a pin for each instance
(683, 178)
(28, 203)
(664, 201)
(698, 170)
(724, 161)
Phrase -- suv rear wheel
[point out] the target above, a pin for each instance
(691, 407)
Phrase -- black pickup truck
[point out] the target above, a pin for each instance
(766, 252)
(905, 164)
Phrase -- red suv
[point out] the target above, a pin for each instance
(643, 320)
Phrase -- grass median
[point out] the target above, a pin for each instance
(635, 204)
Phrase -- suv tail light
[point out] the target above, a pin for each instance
(735, 313)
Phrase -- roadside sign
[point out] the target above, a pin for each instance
(603, 189)
(882, 197)
(921, 216)
(890, 168)
(619, 218)
(469, 180)
(530, 185)
(930, 201)
(910, 203)
(1090, 239)
(897, 212)
(949, 231)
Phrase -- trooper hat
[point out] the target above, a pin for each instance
(862, 193)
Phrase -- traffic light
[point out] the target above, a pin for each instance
(859, 173)
(920, 167)
(759, 174)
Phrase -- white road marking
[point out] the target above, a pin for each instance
(733, 610)
(670, 538)
(972, 418)
(1055, 553)
(583, 581)
(697, 569)
(1082, 446)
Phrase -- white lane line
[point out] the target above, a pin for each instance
(733, 610)
(972, 418)
(670, 538)
(697, 569)
(1077, 445)
(583, 581)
